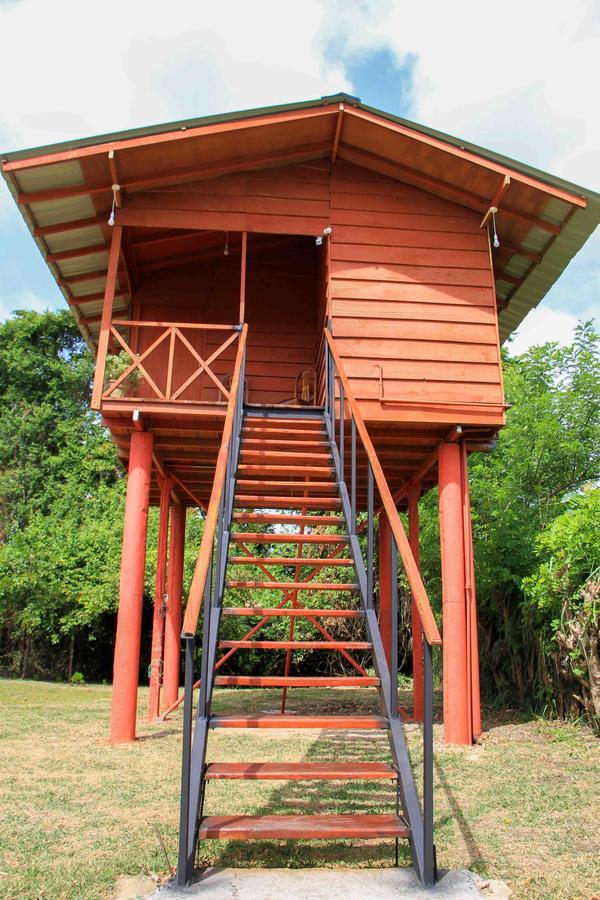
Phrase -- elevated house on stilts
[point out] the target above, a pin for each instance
(296, 314)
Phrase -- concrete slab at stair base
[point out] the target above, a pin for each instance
(317, 884)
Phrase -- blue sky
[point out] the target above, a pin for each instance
(139, 66)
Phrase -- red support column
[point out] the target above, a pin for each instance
(473, 644)
(174, 597)
(131, 592)
(158, 618)
(413, 495)
(385, 585)
(457, 724)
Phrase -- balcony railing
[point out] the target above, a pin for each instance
(160, 372)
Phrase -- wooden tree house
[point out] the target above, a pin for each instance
(296, 314)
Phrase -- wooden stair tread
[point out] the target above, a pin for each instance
(274, 501)
(290, 561)
(290, 720)
(265, 454)
(272, 484)
(247, 537)
(301, 771)
(296, 681)
(296, 645)
(290, 519)
(283, 443)
(264, 470)
(291, 611)
(248, 828)
(293, 585)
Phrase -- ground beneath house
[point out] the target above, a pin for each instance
(78, 814)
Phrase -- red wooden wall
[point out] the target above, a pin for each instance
(412, 296)
(412, 293)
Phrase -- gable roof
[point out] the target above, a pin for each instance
(64, 191)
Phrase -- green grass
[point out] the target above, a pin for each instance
(76, 812)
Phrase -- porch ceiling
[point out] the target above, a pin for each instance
(64, 192)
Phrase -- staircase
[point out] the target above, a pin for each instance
(281, 518)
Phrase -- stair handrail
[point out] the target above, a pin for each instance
(205, 555)
(411, 568)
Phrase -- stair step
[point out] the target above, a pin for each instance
(283, 519)
(305, 417)
(264, 681)
(289, 720)
(247, 537)
(284, 443)
(274, 456)
(270, 486)
(295, 645)
(257, 432)
(290, 561)
(264, 470)
(293, 612)
(266, 501)
(293, 585)
(301, 771)
(251, 828)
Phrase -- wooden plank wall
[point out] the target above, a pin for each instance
(281, 311)
(412, 292)
(412, 297)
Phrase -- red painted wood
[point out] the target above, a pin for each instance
(292, 585)
(246, 537)
(264, 470)
(249, 828)
(289, 720)
(252, 501)
(302, 771)
(296, 611)
(296, 645)
(315, 487)
(309, 561)
(274, 519)
(264, 681)
(131, 590)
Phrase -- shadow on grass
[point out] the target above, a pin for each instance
(476, 859)
(320, 797)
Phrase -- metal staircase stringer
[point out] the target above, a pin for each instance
(212, 620)
(408, 792)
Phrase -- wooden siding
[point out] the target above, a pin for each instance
(281, 310)
(408, 275)
(412, 302)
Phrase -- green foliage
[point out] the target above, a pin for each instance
(61, 511)
(77, 678)
(569, 550)
(61, 488)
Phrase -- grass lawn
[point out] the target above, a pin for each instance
(76, 813)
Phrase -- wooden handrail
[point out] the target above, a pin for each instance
(201, 326)
(194, 603)
(417, 587)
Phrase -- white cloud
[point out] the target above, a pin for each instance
(87, 71)
(26, 300)
(542, 325)
(518, 77)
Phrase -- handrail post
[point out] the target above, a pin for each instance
(353, 477)
(186, 754)
(394, 627)
(370, 540)
(429, 863)
(342, 432)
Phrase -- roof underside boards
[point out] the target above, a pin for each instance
(65, 193)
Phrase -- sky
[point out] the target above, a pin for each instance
(520, 78)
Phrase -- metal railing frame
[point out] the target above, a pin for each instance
(210, 581)
(339, 407)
